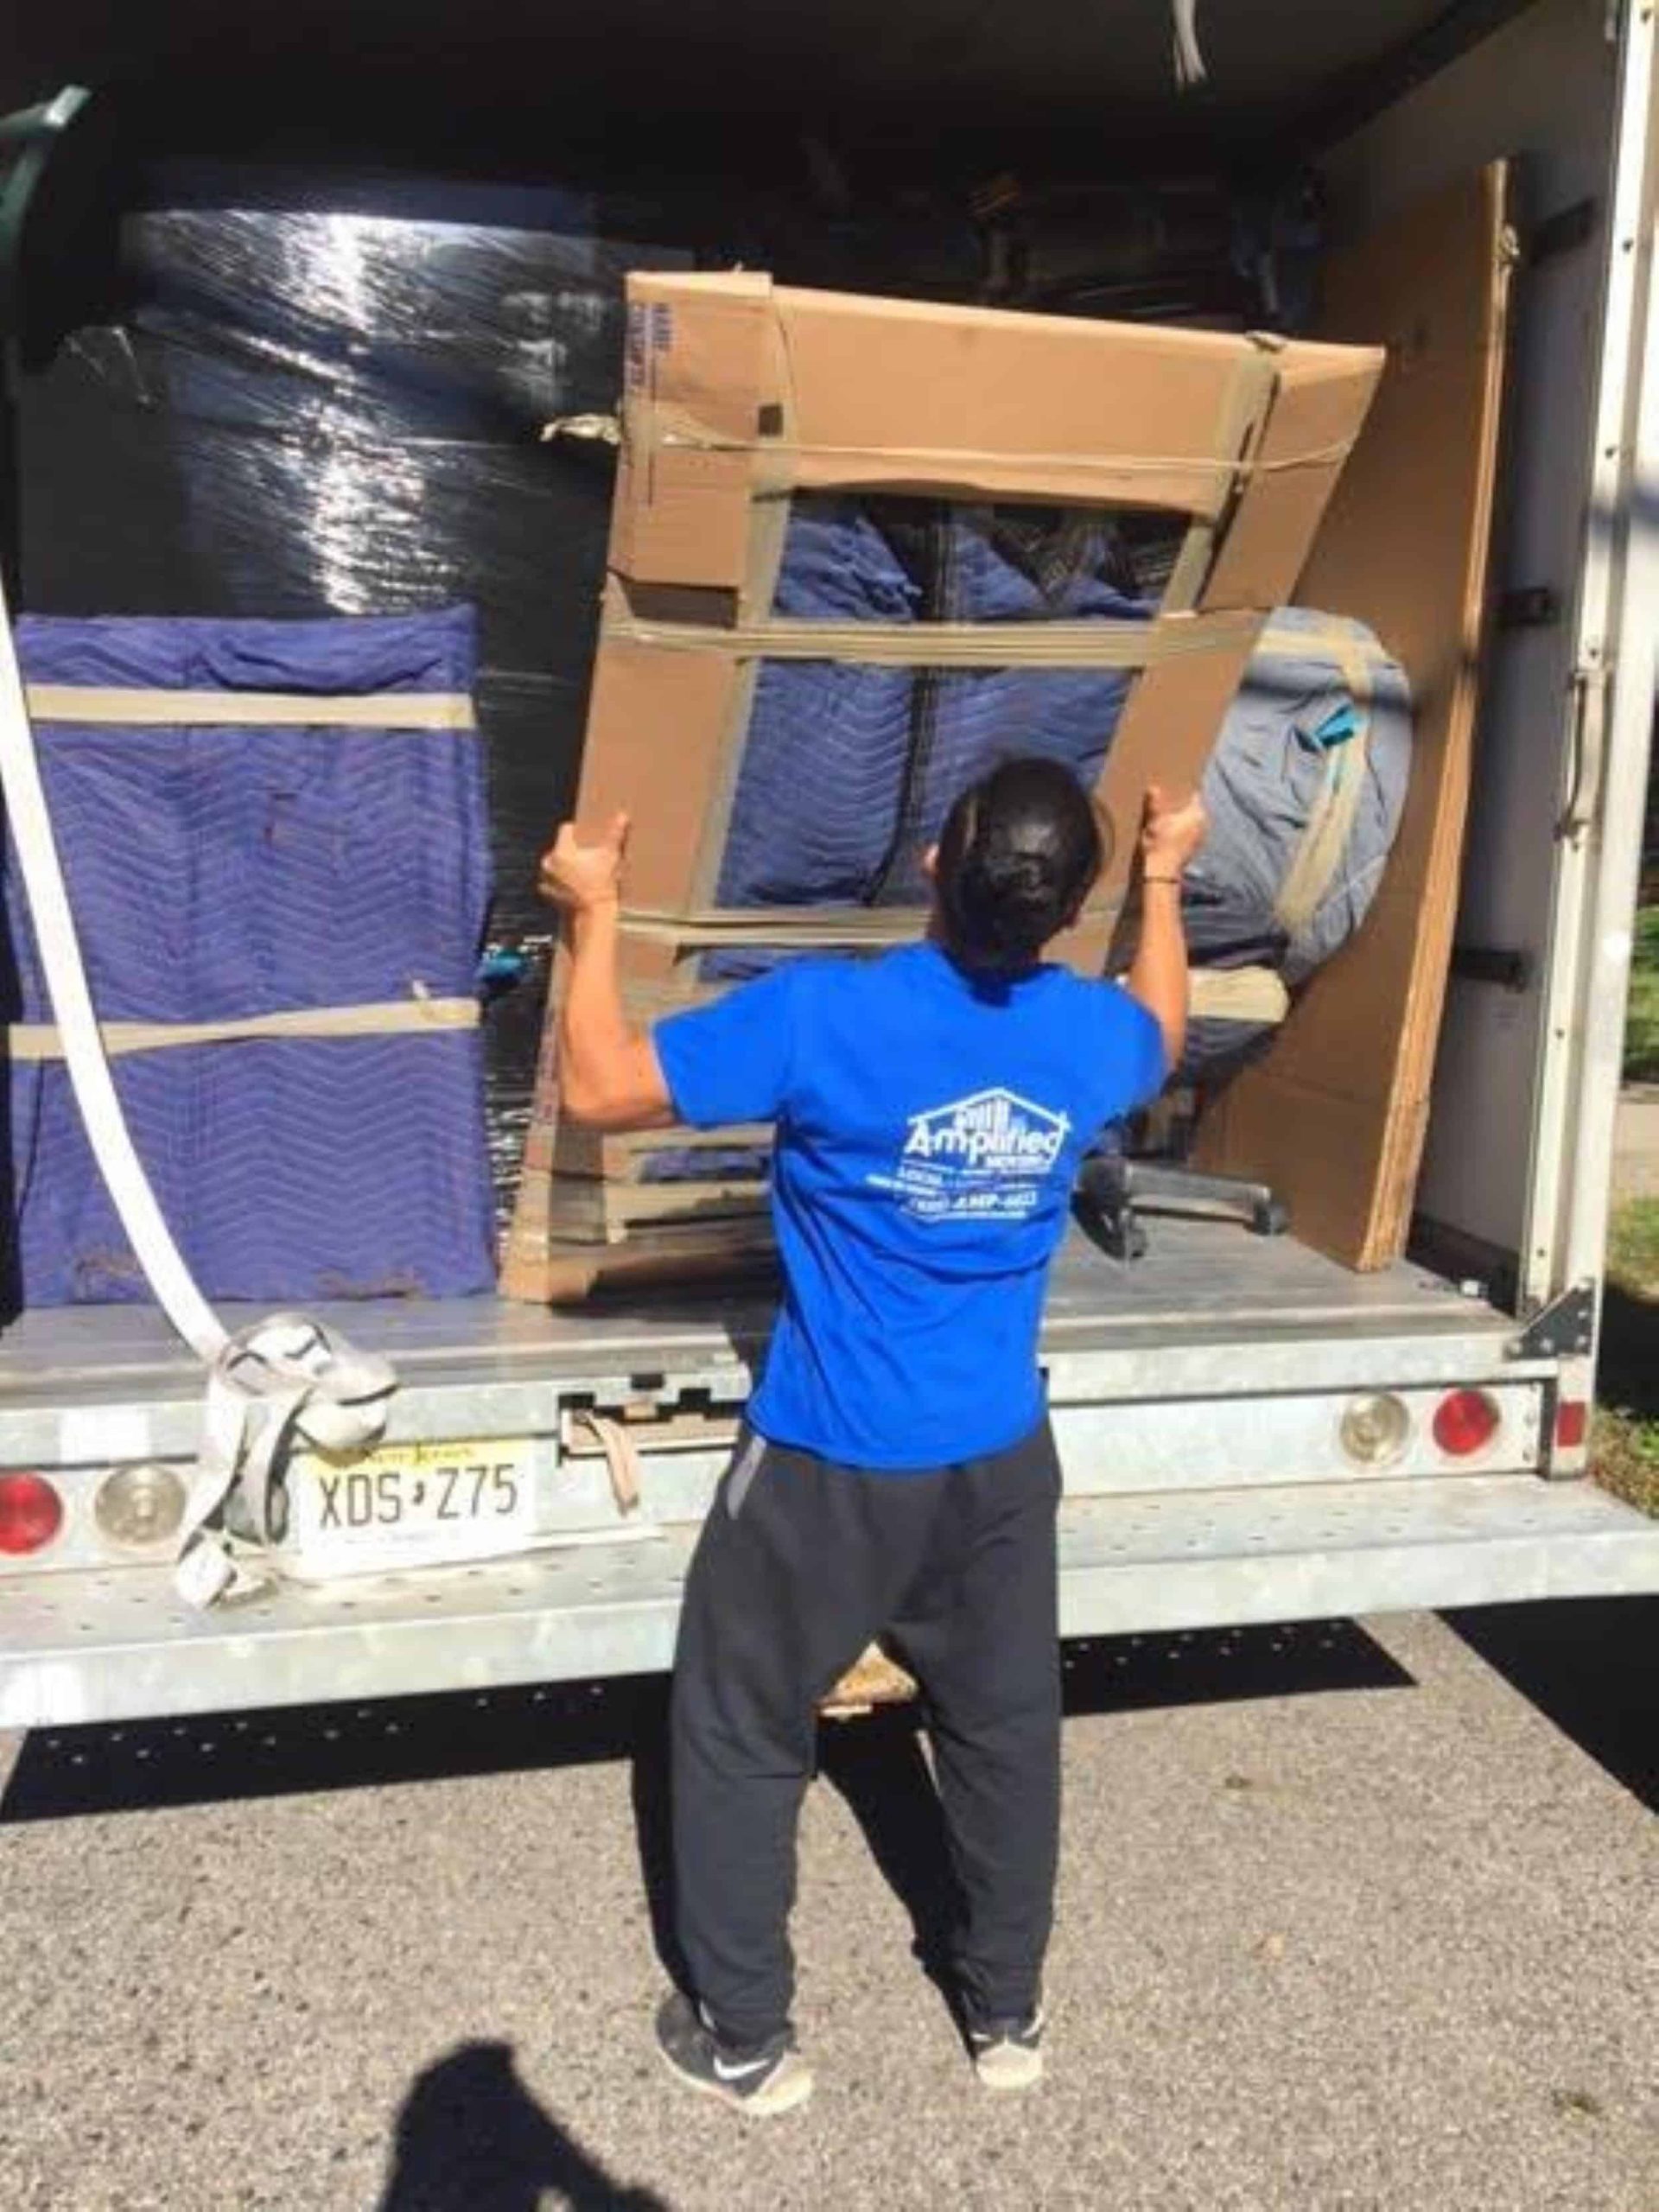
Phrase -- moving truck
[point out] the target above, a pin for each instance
(1251, 1430)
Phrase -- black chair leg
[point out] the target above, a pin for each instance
(1112, 1191)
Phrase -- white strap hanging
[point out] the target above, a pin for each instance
(286, 1379)
(1189, 58)
(288, 1376)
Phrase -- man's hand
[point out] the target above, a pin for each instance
(582, 877)
(1171, 835)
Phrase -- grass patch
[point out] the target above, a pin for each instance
(1642, 1038)
(1626, 1448)
(1633, 1250)
(1626, 1459)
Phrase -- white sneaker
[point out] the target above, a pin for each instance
(1008, 2054)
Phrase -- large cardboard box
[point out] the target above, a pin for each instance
(739, 393)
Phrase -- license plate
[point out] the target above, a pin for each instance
(409, 1502)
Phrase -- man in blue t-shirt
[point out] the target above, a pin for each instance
(896, 1475)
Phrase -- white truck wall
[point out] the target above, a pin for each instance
(1542, 89)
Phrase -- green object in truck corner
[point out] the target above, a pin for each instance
(27, 140)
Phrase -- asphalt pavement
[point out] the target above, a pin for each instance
(1350, 1917)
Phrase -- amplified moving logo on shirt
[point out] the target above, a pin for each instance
(986, 1156)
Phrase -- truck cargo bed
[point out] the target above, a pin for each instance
(1198, 1399)
(1200, 1282)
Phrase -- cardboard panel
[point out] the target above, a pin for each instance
(1323, 393)
(1039, 406)
(638, 695)
(1335, 1118)
(1163, 734)
(739, 391)
(734, 386)
(695, 357)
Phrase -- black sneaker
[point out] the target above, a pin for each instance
(764, 2082)
(1007, 2054)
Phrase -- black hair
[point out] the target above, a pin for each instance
(1020, 852)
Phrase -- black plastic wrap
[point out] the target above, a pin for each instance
(312, 398)
(309, 412)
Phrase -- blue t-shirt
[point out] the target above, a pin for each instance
(929, 1124)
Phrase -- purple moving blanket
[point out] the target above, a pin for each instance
(220, 871)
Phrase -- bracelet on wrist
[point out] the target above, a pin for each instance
(1161, 879)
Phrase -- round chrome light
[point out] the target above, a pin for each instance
(140, 1506)
(1375, 1430)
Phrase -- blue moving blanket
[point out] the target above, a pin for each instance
(1295, 737)
(223, 871)
(848, 770)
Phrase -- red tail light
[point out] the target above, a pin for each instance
(1465, 1423)
(31, 1513)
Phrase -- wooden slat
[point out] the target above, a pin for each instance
(572, 1273)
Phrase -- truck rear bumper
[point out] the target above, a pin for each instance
(108, 1646)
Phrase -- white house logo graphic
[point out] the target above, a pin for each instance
(986, 1155)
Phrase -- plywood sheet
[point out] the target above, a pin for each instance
(1335, 1118)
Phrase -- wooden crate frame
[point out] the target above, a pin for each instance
(740, 393)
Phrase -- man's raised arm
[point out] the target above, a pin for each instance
(609, 1074)
(1170, 836)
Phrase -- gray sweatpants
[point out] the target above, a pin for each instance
(800, 1564)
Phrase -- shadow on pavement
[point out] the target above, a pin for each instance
(472, 2138)
(653, 1836)
(879, 1765)
(1588, 1664)
(1134, 1673)
(216, 1759)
